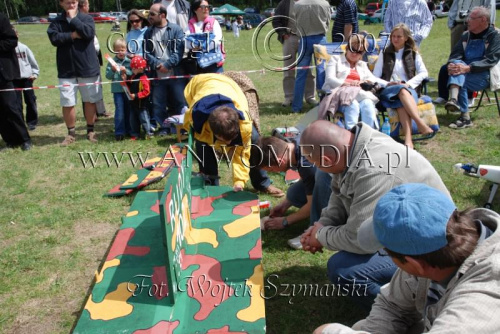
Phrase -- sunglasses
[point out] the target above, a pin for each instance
(152, 14)
(359, 52)
(204, 7)
(135, 21)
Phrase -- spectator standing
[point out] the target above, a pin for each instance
(139, 91)
(313, 20)
(137, 24)
(202, 22)
(84, 7)
(72, 33)
(12, 127)
(284, 23)
(178, 11)
(470, 63)
(357, 184)
(29, 73)
(164, 62)
(236, 28)
(346, 21)
(414, 13)
(446, 258)
(114, 73)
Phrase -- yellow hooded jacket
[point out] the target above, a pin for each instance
(217, 88)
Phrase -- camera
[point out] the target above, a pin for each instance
(463, 14)
(370, 87)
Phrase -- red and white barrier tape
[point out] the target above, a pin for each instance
(262, 71)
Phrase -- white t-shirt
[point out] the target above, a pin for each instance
(398, 73)
(171, 11)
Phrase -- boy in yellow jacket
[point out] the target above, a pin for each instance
(218, 114)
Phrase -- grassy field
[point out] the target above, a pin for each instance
(55, 226)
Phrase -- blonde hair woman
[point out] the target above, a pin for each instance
(403, 69)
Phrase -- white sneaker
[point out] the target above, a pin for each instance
(295, 243)
(439, 100)
(312, 101)
(286, 103)
(471, 102)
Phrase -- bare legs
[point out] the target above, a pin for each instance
(409, 112)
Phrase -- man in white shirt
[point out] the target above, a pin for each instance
(415, 14)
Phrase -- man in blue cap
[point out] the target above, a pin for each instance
(448, 262)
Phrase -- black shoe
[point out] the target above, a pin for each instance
(119, 137)
(26, 146)
(461, 123)
(452, 105)
(31, 127)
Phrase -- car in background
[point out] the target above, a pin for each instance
(439, 12)
(372, 7)
(121, 16)
(31, 19)
(377, 15)
(253, 19)
(52, 16)
(219, 19)
(102, 17)
(252, 10)
(269, 12)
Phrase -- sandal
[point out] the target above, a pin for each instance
(273, 191)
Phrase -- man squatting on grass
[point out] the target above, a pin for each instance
(365, 165)
(449, 263)
(223, 120)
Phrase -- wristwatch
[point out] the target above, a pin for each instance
(284, 222)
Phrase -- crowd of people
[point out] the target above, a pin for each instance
(425, 265)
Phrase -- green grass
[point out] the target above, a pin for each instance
(55, 227)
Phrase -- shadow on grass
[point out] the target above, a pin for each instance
(299, 299)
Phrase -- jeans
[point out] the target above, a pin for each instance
(296, 194)
(443, 90)
(122, 114)
(138, 117)
(306, 53)
(29, 100)
(258, 177)
(361, 274)
(167, 93)
(468, 81)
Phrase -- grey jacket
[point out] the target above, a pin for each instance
(357, 190)
(27, 62)
(469, 305)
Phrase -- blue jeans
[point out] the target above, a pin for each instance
(258, 177)
(365, 108)
(138, 117)
(306, 53)
(468, 81)
(361, 274)
(167, 93)
(296, 194)
(122, 114)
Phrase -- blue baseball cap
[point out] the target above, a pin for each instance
(410, 219)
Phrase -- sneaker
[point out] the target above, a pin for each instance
(105, 115)
(133, 138)
(68, 140)
(26, 146)
(286, 103)
(461, 123)
(91, 136)
(31, 127)
(471, 102)
(295, 243)
(452, 105)
(312, 101)
(439, 100)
